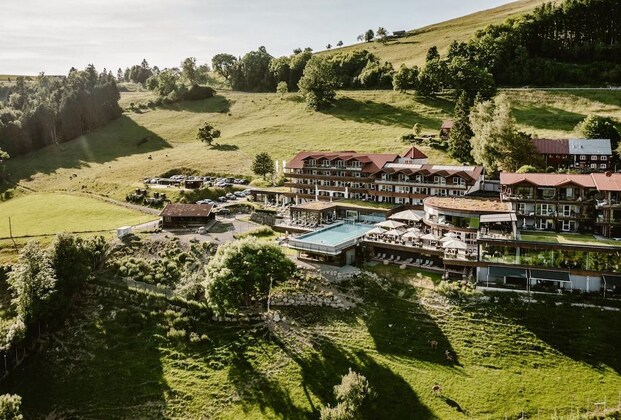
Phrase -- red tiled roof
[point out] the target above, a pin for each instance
(371, 162)
(414, 153)
(442, 170)
(186, 210)
(549, 180)
(552, 147)
(608, 181)
(447, 125)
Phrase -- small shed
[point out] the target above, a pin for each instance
(446, 128)
(192, 184)
(175, 216)
(123, 231)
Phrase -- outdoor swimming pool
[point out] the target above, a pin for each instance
(337, 234)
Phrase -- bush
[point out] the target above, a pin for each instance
(456, 289)
(10, 407)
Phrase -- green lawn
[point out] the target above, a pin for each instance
(42, 214)
(115, 360)
(566, 238)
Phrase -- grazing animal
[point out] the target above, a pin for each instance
(437, 390)
(448, 355)
(434, 344)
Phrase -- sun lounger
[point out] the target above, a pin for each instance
(409, 260)
(419, 262)
(398, 258)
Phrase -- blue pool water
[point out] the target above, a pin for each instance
(337, 234)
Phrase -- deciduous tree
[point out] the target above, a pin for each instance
(318, 83)
(223, 64)
(32, 282)
(596, 127)
(242, 272)
(497, 144)
(207, 133)
(263, 164)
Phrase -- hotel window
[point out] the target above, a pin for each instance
(582, 157)
(355, 164)
(603, 158)
(439, 180)
(442, 192)
(593, 165)
(603, 165)
(593, 157)
(457, 180)
(419, 178)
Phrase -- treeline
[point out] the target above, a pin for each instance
(576, 42)
(258, 71)
(44, 282)
(56, 109)
(171, 84)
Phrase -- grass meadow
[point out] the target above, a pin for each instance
(49, 213)
(539, 359)
(113, 160)
(412, 48)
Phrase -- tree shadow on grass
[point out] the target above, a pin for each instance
(323, 367)
(586, 335)
(98, 366)
(442, 103)
(401, 326)
(224, 147)
(121, 138)
(216, 104)
(547, 117)
(608, 97)
(255, 388)
(370, 112)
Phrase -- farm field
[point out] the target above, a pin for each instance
(510, 358)
(113, 160)
(48, 213)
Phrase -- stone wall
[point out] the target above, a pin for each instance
(264, 217)
(310, 299)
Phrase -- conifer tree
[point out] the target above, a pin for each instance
(459, 138)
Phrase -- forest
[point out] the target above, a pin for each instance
(575, 42)
(52, 110)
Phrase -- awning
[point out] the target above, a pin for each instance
(495, 271)
(501, 217)
(612, 281)
(550, 275)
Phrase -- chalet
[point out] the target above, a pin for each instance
(175, 216)
(446, 128)
(577, 203)
(585, 154)
(390, 178)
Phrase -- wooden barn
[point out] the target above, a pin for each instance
(176, 216)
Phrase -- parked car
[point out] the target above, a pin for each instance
(222, 199)
(240, 194)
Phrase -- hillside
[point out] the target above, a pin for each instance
(114, 160)
(411, 49)
(513, 360)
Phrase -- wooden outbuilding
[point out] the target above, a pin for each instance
(176, 216)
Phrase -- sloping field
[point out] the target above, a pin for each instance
(510, 360)
(114, 160)
(412, 48)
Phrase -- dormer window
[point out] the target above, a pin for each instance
(439, 180)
